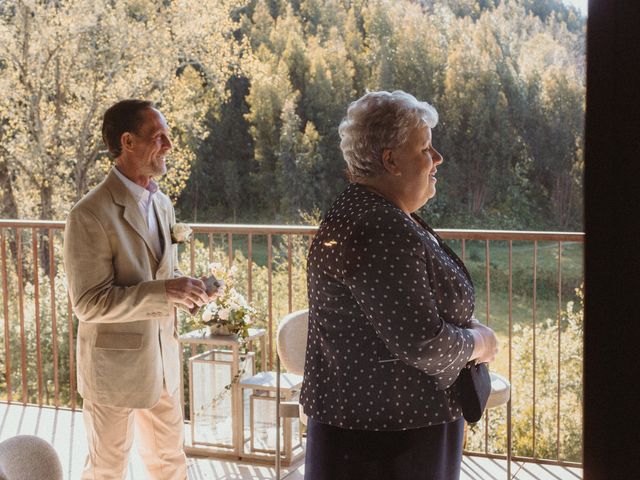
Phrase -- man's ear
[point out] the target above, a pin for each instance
(389, 163)
(126, 140)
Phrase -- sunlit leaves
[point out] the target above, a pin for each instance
(66, 62)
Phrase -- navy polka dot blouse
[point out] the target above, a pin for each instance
(388, 303)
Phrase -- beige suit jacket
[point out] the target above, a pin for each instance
(127, 341)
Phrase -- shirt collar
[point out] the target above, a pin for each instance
(139, 193)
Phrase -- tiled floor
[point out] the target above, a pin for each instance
(65, 431)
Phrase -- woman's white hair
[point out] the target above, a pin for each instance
(376, 121)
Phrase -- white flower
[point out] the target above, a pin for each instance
(209, 311)
(234, 304)
(230, 307)
(237, 300)
(180, 233)
(215, 267)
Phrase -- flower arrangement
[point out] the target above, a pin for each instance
(180, 233)
(229, 313)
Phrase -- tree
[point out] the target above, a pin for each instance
(270, 88)
(63, 63)
(506, 77)
(478, 134)
(220, 181)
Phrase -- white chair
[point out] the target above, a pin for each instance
(291, 348)
(292, 340)
(27, 457)
(291, 344)
(500, 391)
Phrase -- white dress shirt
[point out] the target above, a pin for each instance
(144, 198)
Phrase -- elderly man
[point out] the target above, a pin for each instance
(123, 280)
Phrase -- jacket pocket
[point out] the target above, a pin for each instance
(387, 360)
(387, 357)
(119, 341)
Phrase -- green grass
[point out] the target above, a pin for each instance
(547, 303)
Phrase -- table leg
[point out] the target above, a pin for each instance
(192, 417)
(181, 360)
(236, 403)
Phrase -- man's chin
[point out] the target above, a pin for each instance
(160, 170)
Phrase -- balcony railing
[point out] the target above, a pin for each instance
(524, 281)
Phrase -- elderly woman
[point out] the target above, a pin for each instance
(390, 310)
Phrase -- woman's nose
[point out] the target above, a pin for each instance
(437, 157)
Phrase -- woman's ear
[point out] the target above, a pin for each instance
(389, 163)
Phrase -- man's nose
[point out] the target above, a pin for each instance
(166, 143)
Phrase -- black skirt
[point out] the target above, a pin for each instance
(428, 453)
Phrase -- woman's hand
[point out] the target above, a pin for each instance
(486, 343)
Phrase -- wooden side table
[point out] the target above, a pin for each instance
(231, 344)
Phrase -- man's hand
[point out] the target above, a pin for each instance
(212, 286)
(186, 292)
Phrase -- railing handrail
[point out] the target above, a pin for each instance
(541, 236)
(13, 223)
(266, 229)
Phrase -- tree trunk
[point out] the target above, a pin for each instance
(9, 205)
(195, 203)
(562, 197)
(46, 213)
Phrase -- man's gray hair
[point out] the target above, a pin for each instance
(376, 121)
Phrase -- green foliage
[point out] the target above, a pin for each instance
(46, 325)
(506, 76)
(64, 63)
(547, 359)
(254, 91)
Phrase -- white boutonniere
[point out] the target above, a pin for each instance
(180, 233)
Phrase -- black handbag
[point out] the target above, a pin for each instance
(474, 385)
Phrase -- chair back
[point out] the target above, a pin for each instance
(291, 341)
(29, 457)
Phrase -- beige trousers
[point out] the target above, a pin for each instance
(160, 435)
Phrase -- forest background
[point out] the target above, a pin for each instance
(254, 91)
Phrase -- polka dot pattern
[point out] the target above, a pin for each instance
(388, 303)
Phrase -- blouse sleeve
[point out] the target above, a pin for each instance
(386, 272)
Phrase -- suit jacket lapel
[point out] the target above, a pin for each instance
(164, 229)
(132, 215)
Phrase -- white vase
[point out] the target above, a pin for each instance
(218, 329)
